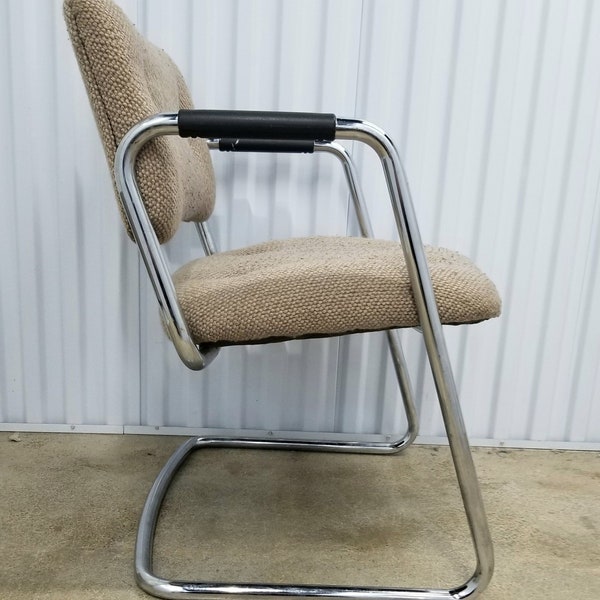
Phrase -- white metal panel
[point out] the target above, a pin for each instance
(69, 350)
(494, 108)
(500, 176)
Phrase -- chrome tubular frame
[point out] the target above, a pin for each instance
(393, 338)
(366, 230)
(198, 358)
(435, 343)
(165, 124)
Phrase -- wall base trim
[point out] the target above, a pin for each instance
(301, 435)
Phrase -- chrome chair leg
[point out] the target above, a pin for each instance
(167, 588)
(164, 588)
(406, 391)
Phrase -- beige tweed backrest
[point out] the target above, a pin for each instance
(128, 79)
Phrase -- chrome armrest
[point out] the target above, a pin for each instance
(262, 127)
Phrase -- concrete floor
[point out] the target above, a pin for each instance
(69, 506)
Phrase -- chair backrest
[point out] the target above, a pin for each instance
(128, 79)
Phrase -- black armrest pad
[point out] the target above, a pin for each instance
(257, 125)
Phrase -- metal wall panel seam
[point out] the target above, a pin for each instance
(11, 402)
(502, 415)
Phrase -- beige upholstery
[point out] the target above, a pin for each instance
(128, 79)
(321, 286)
(278, 290)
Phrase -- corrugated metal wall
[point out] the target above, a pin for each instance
(494, 107)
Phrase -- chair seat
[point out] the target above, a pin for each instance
(322, 286)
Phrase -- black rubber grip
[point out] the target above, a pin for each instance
(242, 145)
(256, 125)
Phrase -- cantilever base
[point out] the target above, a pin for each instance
(164, 588)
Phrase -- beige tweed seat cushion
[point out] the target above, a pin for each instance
(322, 286)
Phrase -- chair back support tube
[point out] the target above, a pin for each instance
(124, 168)
(258, 125)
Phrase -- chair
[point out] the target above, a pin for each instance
(158, 147)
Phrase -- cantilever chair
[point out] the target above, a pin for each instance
(158, 148)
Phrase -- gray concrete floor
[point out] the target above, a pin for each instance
(69, 506)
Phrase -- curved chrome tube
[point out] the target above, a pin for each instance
(166, 588)
(145, 237)
(410, 238)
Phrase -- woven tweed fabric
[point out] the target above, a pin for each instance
(128, 79)
(322, 286)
